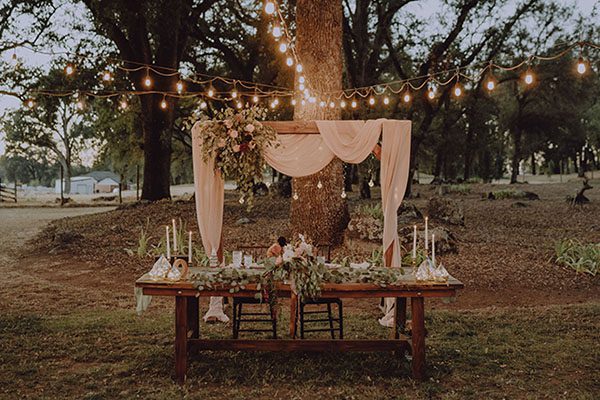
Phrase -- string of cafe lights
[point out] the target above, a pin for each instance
(242, 93)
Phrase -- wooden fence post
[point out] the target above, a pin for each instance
(1, 199)
(62, 199)
(121, 189)
(137, 183)
(15, 189)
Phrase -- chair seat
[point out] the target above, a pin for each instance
(240, 316)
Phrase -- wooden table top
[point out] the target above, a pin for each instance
(405, 283)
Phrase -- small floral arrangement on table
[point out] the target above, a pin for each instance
(236, 141)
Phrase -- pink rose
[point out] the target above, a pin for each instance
(228, 123)
(233, 133)
(221, 143)
(236, 148)
(250, 128)
(278, 260)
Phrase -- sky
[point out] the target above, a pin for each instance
(423, 8)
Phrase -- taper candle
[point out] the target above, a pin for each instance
(190, 249)
(426, 233)
(168, 244)
(414, 255)
(174, 237)
(433, 249)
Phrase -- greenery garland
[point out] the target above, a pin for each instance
(236, 140)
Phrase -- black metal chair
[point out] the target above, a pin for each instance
(253, 316)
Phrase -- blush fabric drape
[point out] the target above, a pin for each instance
(302, 155)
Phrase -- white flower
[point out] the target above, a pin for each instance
(288, 253)
(250, 128)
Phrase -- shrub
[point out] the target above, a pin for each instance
(583, 258)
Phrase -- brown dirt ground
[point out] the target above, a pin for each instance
(504, 259)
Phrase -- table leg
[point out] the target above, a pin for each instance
(181, 327)
(193, 317)
(293, 314)
(418, 337)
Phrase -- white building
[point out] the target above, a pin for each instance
(79, 185)
(93, 182)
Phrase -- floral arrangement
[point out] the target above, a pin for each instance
(236, 141)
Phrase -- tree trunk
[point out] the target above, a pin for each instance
(516, 158)
(533, 168)
(156, 127)
(322, 214)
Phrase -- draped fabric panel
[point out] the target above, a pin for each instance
(303, 155)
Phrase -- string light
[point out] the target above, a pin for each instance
(123, 103)
(322, 103)
(406, 97)
(283, 47)
(301, 79)
(457, 90)
(371, 100)
(289, 61)
(30, 103)
(163, 103)
(211, 92)
(581, 67)
(147, 80)
(106, 76)
(354, 104)
(277, 31)
(386, 100)
(241, 200)
(331, 104)
(255, 99)
(528, 77)
(319, 185)
(344, 195)
(203, 105)
(239, 105)
(293, 102)
(234, 94)
(269, 7)
(431, 93)
(299, 68)
(295, 196)
(69, 69)
(179, 86)
(371, 183)
(342, 104)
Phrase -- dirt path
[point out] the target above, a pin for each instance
(17, 226)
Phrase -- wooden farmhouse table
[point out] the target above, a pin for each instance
(187, 319)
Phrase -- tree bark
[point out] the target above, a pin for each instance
(516, 157)
(322, 214)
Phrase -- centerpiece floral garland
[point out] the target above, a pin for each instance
(236, 140)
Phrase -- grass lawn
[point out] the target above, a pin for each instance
(541, 352)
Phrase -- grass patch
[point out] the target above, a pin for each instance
(583, 258)
(526, 353)
(459, 189)
(509, 194)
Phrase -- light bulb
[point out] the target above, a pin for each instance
(406, 97)
(80, 105)
(354, 104)
(457, 90)
(179, 87)
(344, 195)
(30, 103)
(69, 70)
(301, 79)
(581, 67)
(295, 196)
(211, 92)
(106, 77)
(147, 81)
(255, 99)
(303, 102)
(283, 47)
(203, 105)
(331, 104)
(123, 104)
(269, 7)
(234, 94)
(319, 185)
(528, 78)
(371, 183)
(322, 103)
(431, 94)
(386, 100)
(312, 99)
(371, 101)
(299, 68)
(239, 104)
(342, 104)
(293, 102)
(241, 200)
(276, 101)
(277, 31)
(301, 87)
(289, 61)
(163, 103)
(491, 85)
